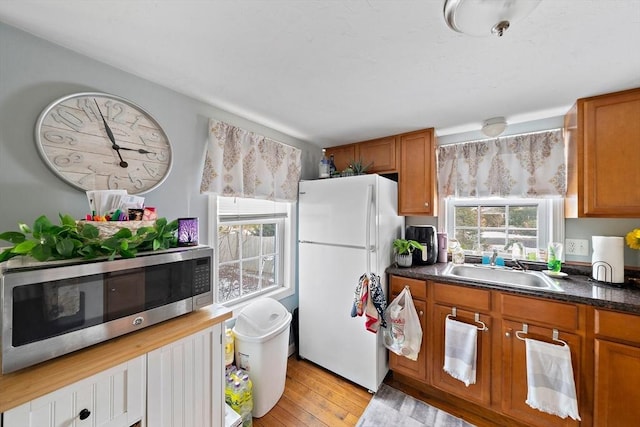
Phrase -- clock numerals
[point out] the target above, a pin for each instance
(59, 138)
(115, 182)
(67, 118)
(152, 170)
(88, 177)
(116, 111)
(88, 107)
(66, 160)
(134, 125)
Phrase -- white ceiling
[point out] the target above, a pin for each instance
(333, 72)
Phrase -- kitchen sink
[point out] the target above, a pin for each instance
(502, 276)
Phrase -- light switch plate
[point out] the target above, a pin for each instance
(576, 247)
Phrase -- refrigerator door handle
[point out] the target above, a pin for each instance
(338, 245)
(367, 227)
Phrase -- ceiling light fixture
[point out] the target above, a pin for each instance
(485, 17)
(494, 126)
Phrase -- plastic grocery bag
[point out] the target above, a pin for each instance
(403, 334)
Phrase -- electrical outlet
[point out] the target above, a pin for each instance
(576, 247)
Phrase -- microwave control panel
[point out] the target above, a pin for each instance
(202, 276)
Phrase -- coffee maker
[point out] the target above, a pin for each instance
(426, 236)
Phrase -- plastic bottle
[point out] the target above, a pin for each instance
(332, 167)
(247, 402)
(228, 347)
(324, 165)
(458, 255)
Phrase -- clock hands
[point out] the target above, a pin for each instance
(115, 146)
(139, 150)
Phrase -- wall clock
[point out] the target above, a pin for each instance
(97, 141)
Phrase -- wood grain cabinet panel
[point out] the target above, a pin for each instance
(416, 369)
(343, 155)
(617, 369)
(416, 174)
(514, 374)
(602, 134)
(381, 153)
(480, 392)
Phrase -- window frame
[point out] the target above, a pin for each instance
(550, 217)
(288, 256)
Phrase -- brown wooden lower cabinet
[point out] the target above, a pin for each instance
(416, 369)
(514, 374)
(500, 392)
(480, 392)
(617, 362)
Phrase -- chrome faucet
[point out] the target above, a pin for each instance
(494, 255)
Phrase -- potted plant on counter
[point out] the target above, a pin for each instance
(404, 250)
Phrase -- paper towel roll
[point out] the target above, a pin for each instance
(607, 261)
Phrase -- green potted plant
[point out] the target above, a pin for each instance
(359, 167)
(404, 250)
(46, 241)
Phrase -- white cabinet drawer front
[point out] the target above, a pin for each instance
(113, 398)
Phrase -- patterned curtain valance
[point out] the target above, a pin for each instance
(527, 165)
(240, 163)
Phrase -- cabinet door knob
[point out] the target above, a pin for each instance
(507, 334)
(84, 414)
(426, 204)
(421, 313)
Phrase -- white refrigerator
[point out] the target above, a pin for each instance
(346, 226)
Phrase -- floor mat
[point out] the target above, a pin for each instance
(391, 407)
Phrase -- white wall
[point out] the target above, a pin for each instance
(35, 72)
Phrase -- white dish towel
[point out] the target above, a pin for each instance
(550, 385)
(460, 350)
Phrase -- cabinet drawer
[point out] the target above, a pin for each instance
(554, 314)
(618, 325)
(418, 288)
(459, 296)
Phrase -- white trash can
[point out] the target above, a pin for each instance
(261, 349)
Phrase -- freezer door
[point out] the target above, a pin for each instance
(328, 335)
(335, 210)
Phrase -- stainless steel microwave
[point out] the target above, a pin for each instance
(50, 309)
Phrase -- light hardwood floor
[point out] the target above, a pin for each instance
(314, 396)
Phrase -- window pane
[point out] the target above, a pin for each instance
(468, 238)
(228, 243)
(251, 241)
(250, 276)
(268, 271)
(228, 282)
(523, 216)
(492, 216)
(467, 216)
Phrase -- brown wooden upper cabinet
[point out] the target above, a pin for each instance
(416, 174)
(343, 155)
(381, 153)
(411, 155)
(602, 135)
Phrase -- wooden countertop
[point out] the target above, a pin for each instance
(29, 383)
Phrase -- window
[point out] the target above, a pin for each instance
(496, 223)
(254, 249)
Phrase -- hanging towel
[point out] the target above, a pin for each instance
(460, 350)
(550, 384)
(360, 296)
(376, 304)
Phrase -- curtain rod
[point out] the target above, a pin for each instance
(501, 137)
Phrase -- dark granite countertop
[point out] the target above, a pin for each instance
(577, 287)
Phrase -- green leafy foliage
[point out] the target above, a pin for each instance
(46, 241)
(403, 246)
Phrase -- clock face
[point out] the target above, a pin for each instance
(96, 141)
